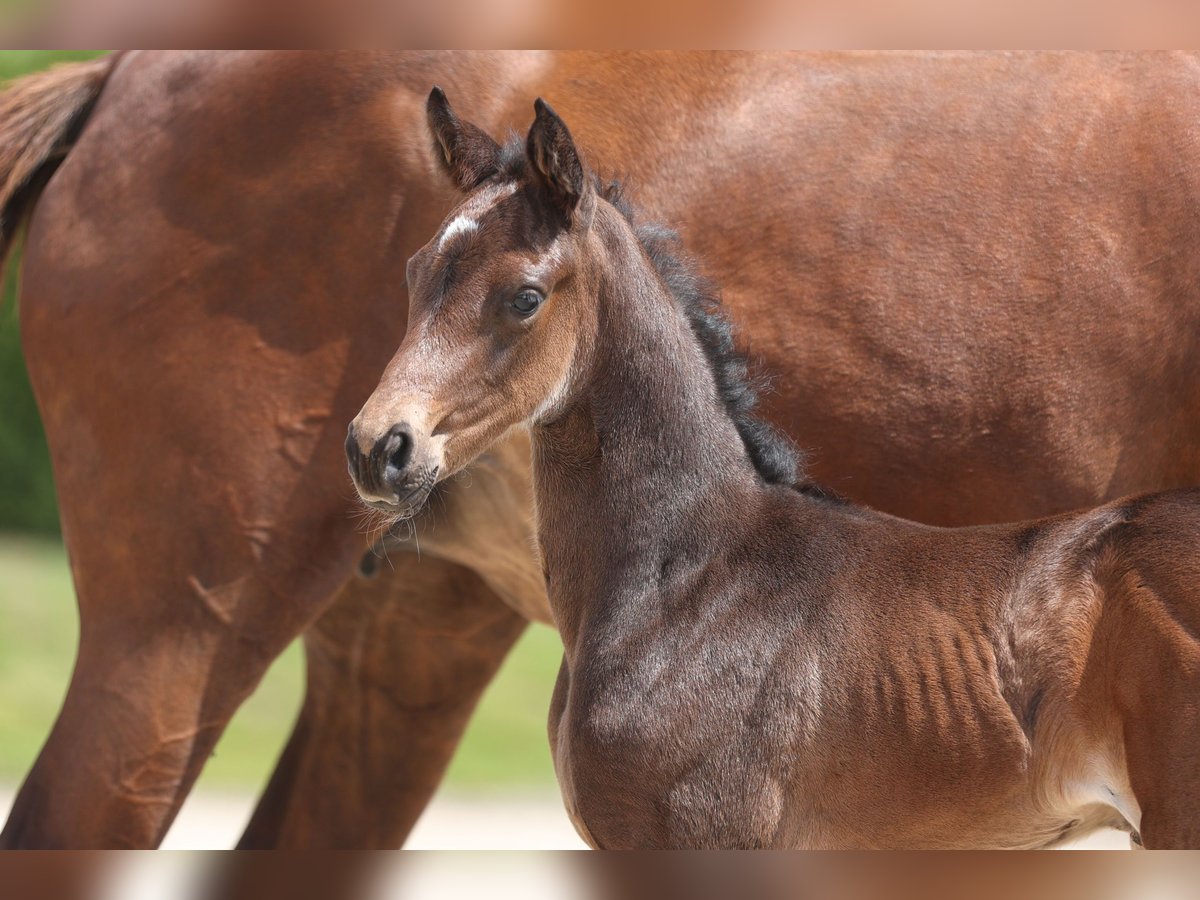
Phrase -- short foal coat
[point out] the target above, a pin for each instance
(750, 663)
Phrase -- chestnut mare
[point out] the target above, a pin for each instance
(750, 662)
(974, 280)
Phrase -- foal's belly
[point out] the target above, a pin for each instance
(628, 803)
(1016, 830)
(984, 816)
(963, 774)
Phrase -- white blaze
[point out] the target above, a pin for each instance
(460, 225)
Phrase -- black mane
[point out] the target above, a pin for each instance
(774, 456)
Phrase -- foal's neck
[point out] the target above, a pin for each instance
(639, 481)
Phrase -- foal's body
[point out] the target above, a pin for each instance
(858, 685)
(748, 661)
(751, 665)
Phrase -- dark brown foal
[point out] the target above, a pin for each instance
(749, 661)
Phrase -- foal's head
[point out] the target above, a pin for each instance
(504, 311)
(501, 310)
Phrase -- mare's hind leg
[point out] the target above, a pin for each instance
(204, 502)
(159, 673)
(395, 668)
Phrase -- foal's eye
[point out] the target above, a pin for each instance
(526, 302)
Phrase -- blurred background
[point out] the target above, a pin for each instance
(502, 767)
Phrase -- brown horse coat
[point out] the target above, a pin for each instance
(973, 278)
(750, 662)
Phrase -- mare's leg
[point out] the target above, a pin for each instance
(196, 560)
(395, 668)
(396, 665)
(200, 475)
(158, 675)
(195, 565)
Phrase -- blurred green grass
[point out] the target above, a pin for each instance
(26, 484)
(505, 747)
(20, 62)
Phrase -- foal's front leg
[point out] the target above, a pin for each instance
(1149, 641)
(1163, 748)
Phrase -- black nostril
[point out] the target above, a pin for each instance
(399, 457)
(397, 451)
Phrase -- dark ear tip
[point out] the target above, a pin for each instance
(437, 99)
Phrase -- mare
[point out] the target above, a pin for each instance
(749, 661)
(972, 277)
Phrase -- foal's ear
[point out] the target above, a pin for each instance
(468, 153)
(553, 155)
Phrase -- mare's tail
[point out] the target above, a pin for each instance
(41, 115)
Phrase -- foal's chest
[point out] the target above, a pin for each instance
(662, 751)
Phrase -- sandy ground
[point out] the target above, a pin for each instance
(213, 821)
(450, 823)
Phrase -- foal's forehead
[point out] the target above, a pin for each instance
(468, 216)
(508, 216)
(479, 238)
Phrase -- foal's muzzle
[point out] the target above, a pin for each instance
(390, 477)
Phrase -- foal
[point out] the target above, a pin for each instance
(748, 661)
